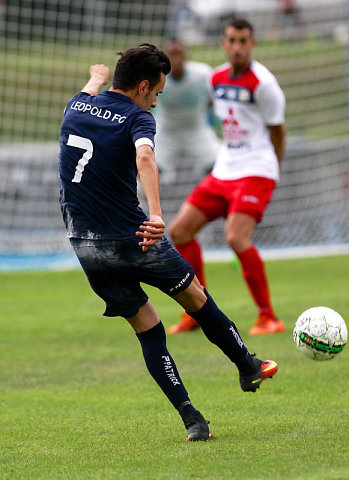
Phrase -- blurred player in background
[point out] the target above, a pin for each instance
(183, 132)
(250, 103)
(107, 139)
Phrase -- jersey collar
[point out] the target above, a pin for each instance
(116, 95)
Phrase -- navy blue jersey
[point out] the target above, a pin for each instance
(97, 165)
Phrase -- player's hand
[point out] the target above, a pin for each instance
(151, 231)
(100, 72)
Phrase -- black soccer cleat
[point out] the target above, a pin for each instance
(249, 382)
(197, 427)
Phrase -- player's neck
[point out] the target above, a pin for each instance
(237, 70)
(129, 93)
(177, 75)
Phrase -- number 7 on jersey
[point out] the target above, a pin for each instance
(84, 144)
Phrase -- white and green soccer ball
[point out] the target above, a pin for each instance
(320, 333)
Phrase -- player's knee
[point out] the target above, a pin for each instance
(235, 241)
(178, 234)
(192, 298)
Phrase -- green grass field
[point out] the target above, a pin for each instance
(78, 403)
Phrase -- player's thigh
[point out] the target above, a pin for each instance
(188, 221)
(119, 266)
(252, 196)
(204, 204)
(145, 318)
(104, 265)
(192, 298)
(162, 267)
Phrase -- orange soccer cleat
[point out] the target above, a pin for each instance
(186, 324)
(266, 324)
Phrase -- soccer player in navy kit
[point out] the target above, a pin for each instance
(106, 140)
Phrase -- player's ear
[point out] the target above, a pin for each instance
(143, 86)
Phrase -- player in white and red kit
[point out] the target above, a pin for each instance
(250, 103)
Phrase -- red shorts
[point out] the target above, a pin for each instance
(218, 198)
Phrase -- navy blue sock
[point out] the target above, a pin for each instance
(163, 369)
(222, 332)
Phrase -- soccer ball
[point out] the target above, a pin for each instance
(320, 333)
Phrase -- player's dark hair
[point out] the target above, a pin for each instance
(144, 62)
(239, 24)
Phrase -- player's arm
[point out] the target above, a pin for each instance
(151, 231)
(271, 101)
(278, 139)
(99, 76)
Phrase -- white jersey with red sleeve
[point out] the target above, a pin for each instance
(246, 105)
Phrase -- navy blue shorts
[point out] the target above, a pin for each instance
(115, 269)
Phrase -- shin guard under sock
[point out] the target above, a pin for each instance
(221, 331)
(162, 367)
